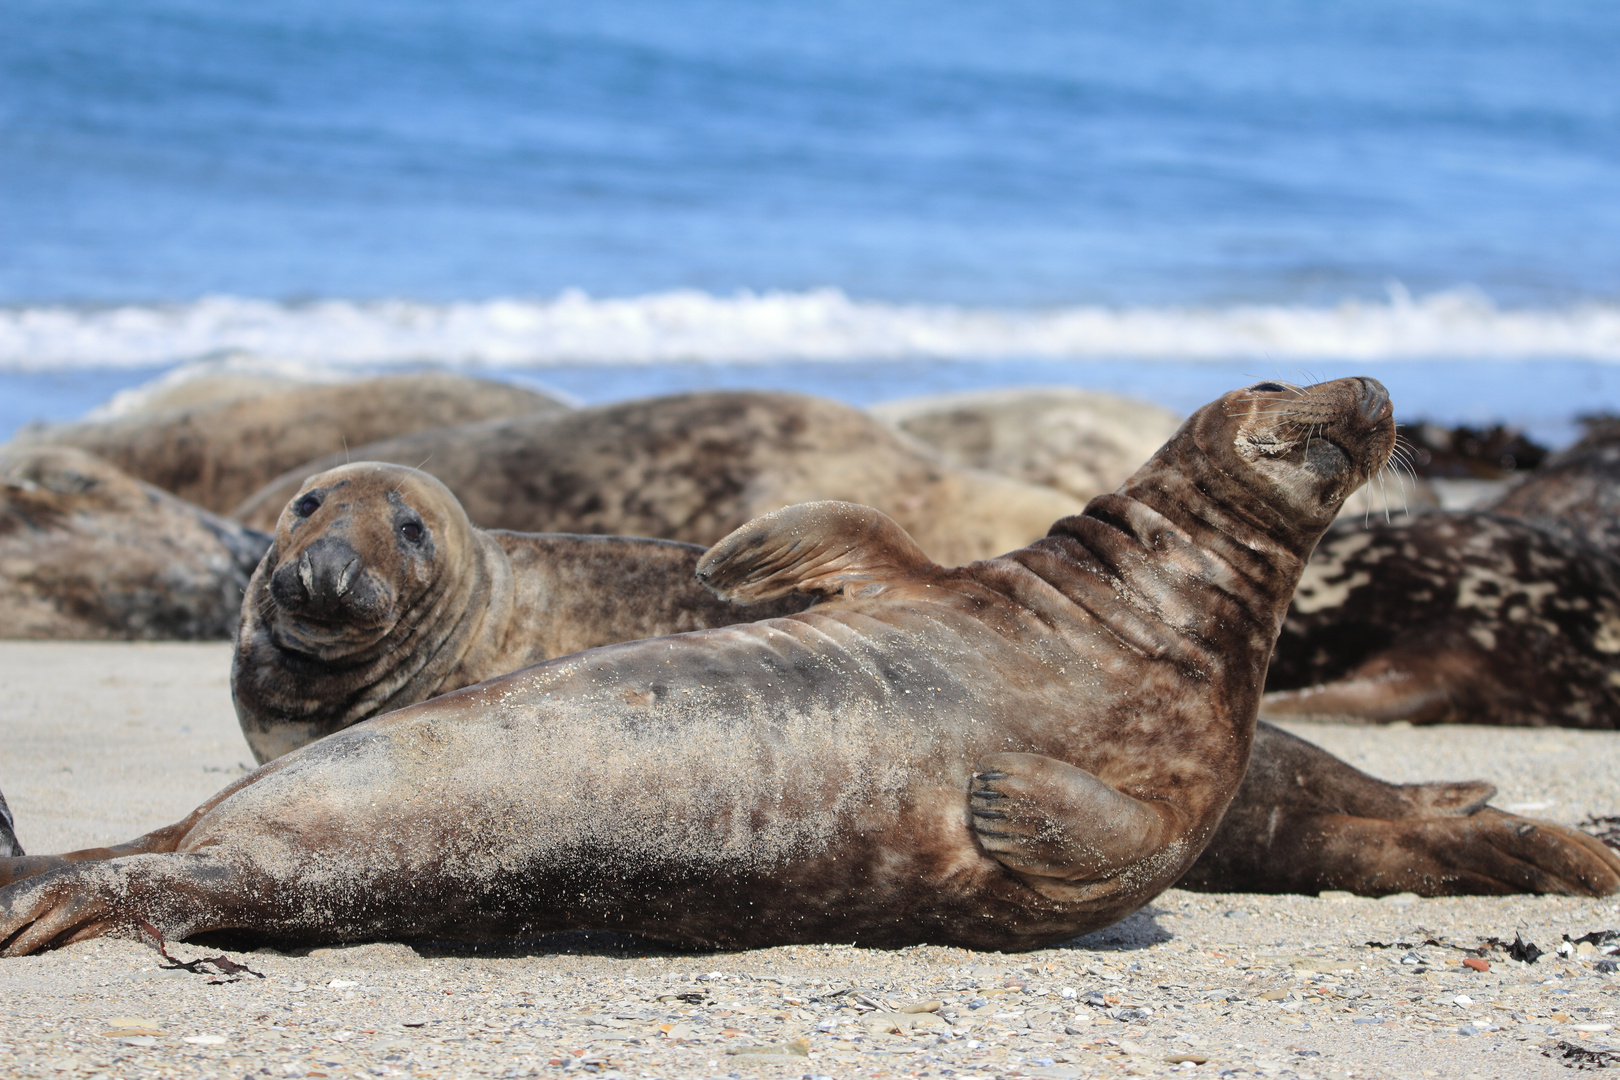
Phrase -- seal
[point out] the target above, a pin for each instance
(693, 467)
(1001, 755)
(311, 659)
(87, 551)
(215, 453)
(379, 593)
(1464, 616)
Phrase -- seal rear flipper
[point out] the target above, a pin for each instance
(179, 894)
(1487, 853)
(9, 847)
(816, 548)
(1058, 826)
(1304, 821)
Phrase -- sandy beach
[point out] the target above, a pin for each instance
(104, 741)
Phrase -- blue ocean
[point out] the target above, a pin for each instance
(861, 200)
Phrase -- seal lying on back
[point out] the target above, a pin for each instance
(1001, 755)
(87, 551)
(378, 593)
(693, 467)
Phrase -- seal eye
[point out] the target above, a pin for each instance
(307, 505)
(412, 531)
(1267, 388)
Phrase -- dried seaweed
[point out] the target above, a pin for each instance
(223, 965)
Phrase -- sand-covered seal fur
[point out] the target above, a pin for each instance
(1000, 755)
(379, 593)
(89, 552)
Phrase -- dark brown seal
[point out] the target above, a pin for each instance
(1000, 755)
(1465, 616)
(379, 593)
(217, 453)
(87, 551)
(693, 467)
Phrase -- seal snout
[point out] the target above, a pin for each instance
(1375, 403)
(326, 580)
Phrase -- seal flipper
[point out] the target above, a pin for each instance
(817, 548)
(1414, 691)
(1058, 826)
(9, 848)
(1304, 821)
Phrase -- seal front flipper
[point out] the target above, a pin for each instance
(816, 548)
(1059, 827)
(9, 848)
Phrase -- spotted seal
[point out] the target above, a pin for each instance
(379, 593)
(1000, 755)
(1472, 616)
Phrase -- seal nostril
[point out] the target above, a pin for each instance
(1374, 398)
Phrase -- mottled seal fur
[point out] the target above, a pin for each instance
(693, 467)
(1468, 616)
(379, 593)
(1000, 755)
(1576, 494)
(217, 453)
(87, 551)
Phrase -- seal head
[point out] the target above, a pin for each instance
(375, 588)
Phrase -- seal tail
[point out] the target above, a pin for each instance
(9, 848)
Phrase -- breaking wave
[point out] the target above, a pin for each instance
(818, 325)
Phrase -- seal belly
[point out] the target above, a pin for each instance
(812, 763)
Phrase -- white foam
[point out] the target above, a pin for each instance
(822, 324)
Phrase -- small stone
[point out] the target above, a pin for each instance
(796, 1048)
(927, 1006)
(1476, 963)
(204, 1040)
(1468, 1029)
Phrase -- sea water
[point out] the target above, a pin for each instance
(861, 200)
